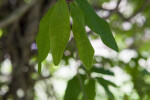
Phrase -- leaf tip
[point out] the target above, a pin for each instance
(56, 62)
(116, 48)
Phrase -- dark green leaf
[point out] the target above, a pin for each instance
(101, 71)
(73, 89)
(43, 38)
(59, 30)
(109, 93)
(101, 80)
(85, 49)
(90, 90)
(97, 24)
(105, 84)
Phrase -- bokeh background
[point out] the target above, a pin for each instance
(124, 75)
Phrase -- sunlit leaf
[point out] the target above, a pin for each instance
(59, 30)
(1, 33)
(97, 24)
(85, 49)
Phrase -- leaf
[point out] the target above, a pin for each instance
(73, 89)
(110, 95)
(101, 80)
(90, 90)
(97, 24)
(43, 38)
(59, 30)
(85, 49)
(102, 71)
(105, 84)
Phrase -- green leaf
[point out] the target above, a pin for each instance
(105, 84)
(97, 24)
(43, 38)
(59, 30)
(85, 49)
(90, 90)
(109, 93)
(73, 88)
(103, 81)
(101, 71)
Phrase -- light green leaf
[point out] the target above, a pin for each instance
(59, 30)
(85, 49)
(90, 90)
(97, 24)
(43, 38)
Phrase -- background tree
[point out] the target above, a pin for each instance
(130, 23)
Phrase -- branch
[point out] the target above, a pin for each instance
(18, 13)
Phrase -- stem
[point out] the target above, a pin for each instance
(87, 72)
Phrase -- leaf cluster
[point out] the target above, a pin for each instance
(54, 31)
